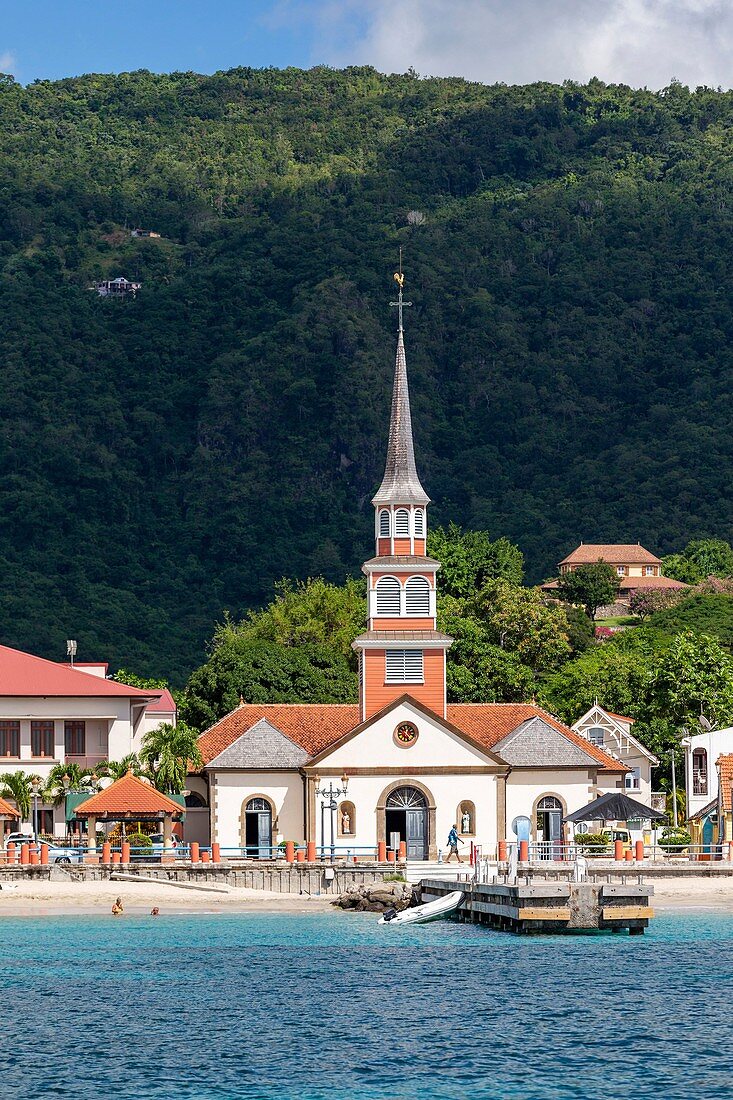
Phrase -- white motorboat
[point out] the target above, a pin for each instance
(432, 910)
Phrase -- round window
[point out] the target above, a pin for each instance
(405, 735)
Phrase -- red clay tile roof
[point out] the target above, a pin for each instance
(128, 795)
(165, 704)
(621, 717)
(316, 726)
(613, 553)
(6, 810)
(649, 582)
(724, 764)
(23, 674)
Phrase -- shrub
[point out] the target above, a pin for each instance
(591, 840)
(139, 840)
(674, 838)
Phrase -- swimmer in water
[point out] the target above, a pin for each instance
(117, 908)
(155, 911)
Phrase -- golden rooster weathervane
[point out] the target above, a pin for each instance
(399, 278)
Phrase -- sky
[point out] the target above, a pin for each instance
(638, 42)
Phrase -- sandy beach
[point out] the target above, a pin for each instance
(30, 898)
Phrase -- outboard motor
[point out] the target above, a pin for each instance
(389, 914)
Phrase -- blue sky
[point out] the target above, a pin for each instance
(639, 42)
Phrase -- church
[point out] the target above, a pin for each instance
(403, 765)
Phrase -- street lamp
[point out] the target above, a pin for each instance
(35, 788)
(330, 793)
(674, 790)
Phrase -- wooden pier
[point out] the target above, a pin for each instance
(537, 906)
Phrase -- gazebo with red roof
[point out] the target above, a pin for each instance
(130, 799)
(6, 810)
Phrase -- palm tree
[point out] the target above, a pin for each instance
(68, 777)
(17, 785)
(169, 752)
(116, 769)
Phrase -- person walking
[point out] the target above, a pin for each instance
(453, 841)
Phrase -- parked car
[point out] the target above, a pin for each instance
(158, 840)
(19, 838)
(59, 853)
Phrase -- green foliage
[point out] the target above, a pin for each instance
(592, 841)
(591, 586)
(680, 568)
(139, 840)
(674, 838)
(17, 787)
(519, 621)
(469, 559)
(116, 769)
(124, 676)
(168, 752)
(695, 674)
(579, 630)
(79, 779)
(709, 613)
(701, 558)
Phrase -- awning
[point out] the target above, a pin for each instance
(616, 806)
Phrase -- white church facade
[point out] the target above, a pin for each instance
(406, 763)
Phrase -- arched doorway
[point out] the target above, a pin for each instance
(406, 813)
(549, 826)
(258, 828)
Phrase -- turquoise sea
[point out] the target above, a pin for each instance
(329, 1005)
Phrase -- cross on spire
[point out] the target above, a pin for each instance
(399, 278)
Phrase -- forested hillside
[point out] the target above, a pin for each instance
(568, 256)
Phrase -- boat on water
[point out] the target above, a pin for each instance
(421, 914)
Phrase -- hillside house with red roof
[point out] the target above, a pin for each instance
(413, 764)
(53, 713)
(635, 567)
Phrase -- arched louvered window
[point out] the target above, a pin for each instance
(417, 599)
(402, 523)
(419, 523)
(384, 524)
(389, 590)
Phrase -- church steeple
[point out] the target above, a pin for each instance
(402, 652)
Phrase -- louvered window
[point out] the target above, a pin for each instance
(388, 596)
(403, 666)
(384, 524)
(417, 599)
(419, 523)
(402, 522)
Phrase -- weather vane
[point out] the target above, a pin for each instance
(399, 278)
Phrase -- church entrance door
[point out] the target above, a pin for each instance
(407, 814)
(258, 829)
(549, 827)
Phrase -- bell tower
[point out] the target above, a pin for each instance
(401, 652)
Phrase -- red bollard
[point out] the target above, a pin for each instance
(639, 850)
(194, 851)
(116, 858)
(311, 853)
(354, 859)
(215, 853)
(628, 855)
(106, 852)
(524, 851)
(205, 857)
(24, 857)
(44, 855)
(33, 855)
(125, 854)
(618, 850)
(403, 849)
(502, 851)
(290, 851)
(381, 851)
(11, 852)
(300, 856)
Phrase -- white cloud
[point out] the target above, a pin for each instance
(637, 42)
(8, 62)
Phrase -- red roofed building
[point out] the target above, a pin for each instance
(402, 765)
(53, 713)
(635, 567)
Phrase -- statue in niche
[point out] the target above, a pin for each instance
(466, 822)
(345, 823)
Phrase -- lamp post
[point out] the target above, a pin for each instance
(66, 783)
(35, 788)
(674, 790)
(330, 794)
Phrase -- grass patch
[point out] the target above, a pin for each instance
(618, 620)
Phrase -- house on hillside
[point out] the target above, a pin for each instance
(401, 766)
(613, 733)
(635, 567)
(150, 233)
(116, 288)
(53, 713)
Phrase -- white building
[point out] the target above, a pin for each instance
(415, 764)
(58, 714)
(701, 775)
(612, 732)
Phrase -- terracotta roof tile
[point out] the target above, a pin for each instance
(613, 553)
(650, 582)
(724, 764)
(316, 726)
(6, 810)
(128, 795)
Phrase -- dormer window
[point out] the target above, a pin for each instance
(402, 523)
(384, 524)
(621, 570)
(596, 735)
(419, 523)
(389, 591)
(417, 598)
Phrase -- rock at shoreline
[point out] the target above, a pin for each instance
(377, 897)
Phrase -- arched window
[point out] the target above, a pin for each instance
(699, 771)
(257, 805)
(346, 819)
(402, 523)
(384, 524)
(388, 596)
(195, 801)
(419, 523)
(417, 600)
(596, 735)
(549, 802)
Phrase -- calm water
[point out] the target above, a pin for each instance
(330, 1005)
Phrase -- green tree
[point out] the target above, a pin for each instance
(116, 769)
(701, 558)
(78, 779)
(17, 786)
(680, 568)
(169, 752)
(469, 559)
(124, 676)
(520, 621)
(591, 586)
(695, 675)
